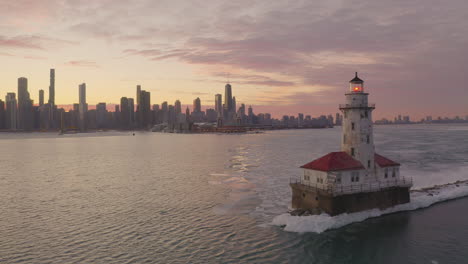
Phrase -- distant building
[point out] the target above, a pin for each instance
(131, 105)
(338, 119)
(138, 91)
(101, 116)
(125, 116)
(250, 115)
(51, 122)
(164, 112)
(171, 115)
(52, 87)
(2, 115)
(211, 115)
(197, 105)
(11, 114)
(197, 114)
(25, 106)
(228, 105)
(219, 104)
(234, 104)
(144, 110)
(41, 97)
(177, 107)
(83, 106)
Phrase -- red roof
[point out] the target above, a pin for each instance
(334, 161)
(384, 162)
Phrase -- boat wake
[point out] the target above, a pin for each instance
(420, 198)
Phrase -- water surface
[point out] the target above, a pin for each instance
(169, 198)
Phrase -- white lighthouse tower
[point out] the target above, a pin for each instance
(357, 139)
(355, 178)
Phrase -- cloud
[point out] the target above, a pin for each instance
(33, 42)
(403, 49)
(32, 57)
(82, 63)
(253, 79)
(24, 42)
(5, 54)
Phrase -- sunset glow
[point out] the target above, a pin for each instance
(284, 58)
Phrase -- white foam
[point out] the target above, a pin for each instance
(323, 222)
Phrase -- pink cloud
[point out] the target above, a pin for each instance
(34, 57)
(33, 42)
(82, 63)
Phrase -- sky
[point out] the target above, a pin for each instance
(282, 57)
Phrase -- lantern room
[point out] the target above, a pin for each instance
(356, 85)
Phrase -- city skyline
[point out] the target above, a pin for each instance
(282, 58)
(213, 103)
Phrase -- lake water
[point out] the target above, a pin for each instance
(173, 198)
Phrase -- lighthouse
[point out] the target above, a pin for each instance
(355, 178)
(357, 139)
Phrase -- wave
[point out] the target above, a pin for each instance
(420, 198)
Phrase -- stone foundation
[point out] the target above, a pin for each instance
(307, 198)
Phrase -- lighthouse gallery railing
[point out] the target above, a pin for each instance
(339, 189)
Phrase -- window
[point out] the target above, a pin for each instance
(386, 174)
(393, 173)
(352, 126)
(345, 114)
(338, 178)
(368, 139)
(352, 152)
(368, 164)
(344, 139)
(365, 114)
(355, 176)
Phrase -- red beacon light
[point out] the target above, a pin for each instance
(356, 85)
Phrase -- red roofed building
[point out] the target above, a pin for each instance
(384, 162)
(355, 178)
(334, 161)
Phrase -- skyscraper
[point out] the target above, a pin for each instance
(25, 111)
(131, 105)
(51, 109)
(138, 95)
(2, 115)
(101, 115)
(41, 97)
(171, 115)
(10, 100)
(187, 115)
(177, 108)
(250, 112)
(228, 98)
(219, 104)
(83, 107)
(234, 106)
(52, 87)
(144, 110)
(125, 118)
(164, 112)
(197, 105)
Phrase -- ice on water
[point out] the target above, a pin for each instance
(259, 171)
(323, 222)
